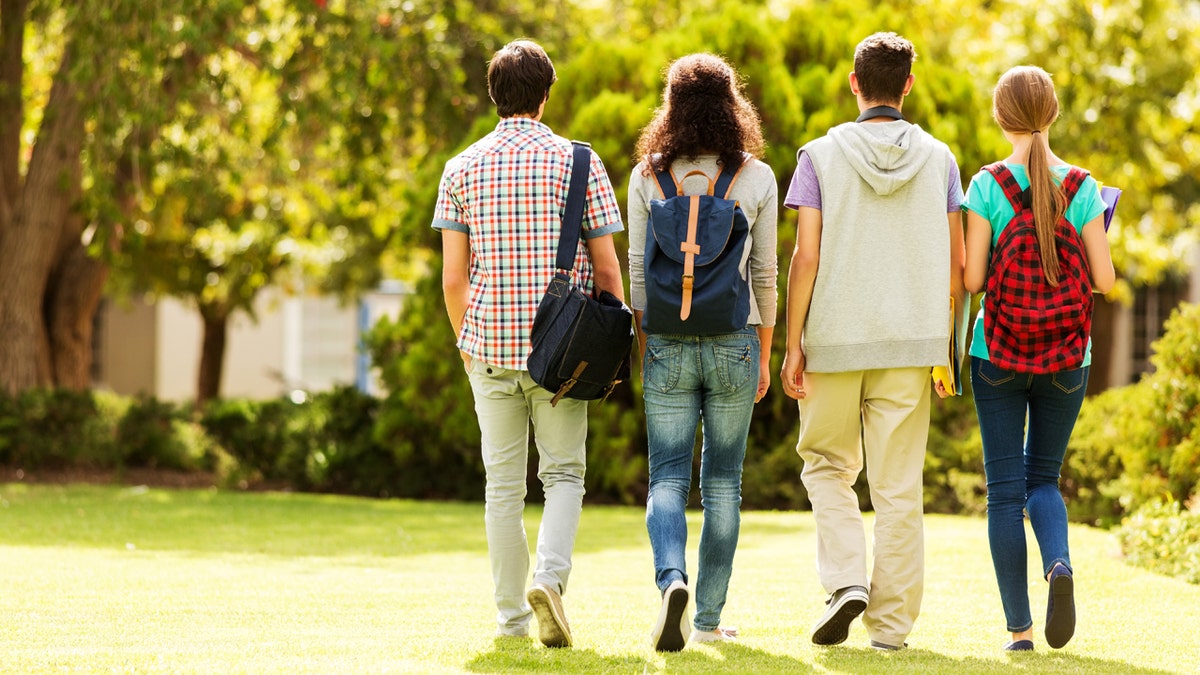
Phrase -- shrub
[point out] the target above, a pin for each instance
(252, 433)
(54, 429)
(1138, 444)
(1163, 538)
(158, 434)
(953, 476)
(345, 457)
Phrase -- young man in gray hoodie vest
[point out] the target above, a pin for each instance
(879, 249)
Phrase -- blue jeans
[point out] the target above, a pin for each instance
(690, 380)
(1022, 468)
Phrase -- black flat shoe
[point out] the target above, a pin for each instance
(1060, 607)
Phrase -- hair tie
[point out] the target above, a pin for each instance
(1037, 131)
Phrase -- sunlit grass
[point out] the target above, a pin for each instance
(109, 579)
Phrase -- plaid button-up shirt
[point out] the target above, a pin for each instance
(507, 192)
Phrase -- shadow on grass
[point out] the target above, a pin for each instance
(867, 660)
(527, 656)
(514, 655)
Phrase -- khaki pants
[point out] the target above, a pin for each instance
(884, 416)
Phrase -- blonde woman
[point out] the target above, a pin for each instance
(1029, 381)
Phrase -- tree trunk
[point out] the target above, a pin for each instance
(71, 311)
(212, 354)
(12, 107)
(29, 242)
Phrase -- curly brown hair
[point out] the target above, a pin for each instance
(703, 112)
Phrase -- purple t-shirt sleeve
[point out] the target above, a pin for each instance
(804, 189)
(954, 190)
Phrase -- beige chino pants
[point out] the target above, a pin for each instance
(882, 416)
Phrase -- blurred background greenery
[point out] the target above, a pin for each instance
(208, 150)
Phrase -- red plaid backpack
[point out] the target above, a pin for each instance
(1031, 326)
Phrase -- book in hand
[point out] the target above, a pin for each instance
(1111, 196)
(949, 374)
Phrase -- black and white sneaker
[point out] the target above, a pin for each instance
(673, 627)
(844, 605)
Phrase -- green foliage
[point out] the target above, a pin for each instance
(58, 429)
(1164, 538)
(1139, 444)
(953, 477)
(1094, 473)
(342, 455)
(154, 433)
(617, 459)
(1125, 76)
(256, 435)
(54, 429)
(428, 418)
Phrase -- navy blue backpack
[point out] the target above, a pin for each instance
(693, 257)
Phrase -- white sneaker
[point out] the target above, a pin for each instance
(717, 635)
(670, 633)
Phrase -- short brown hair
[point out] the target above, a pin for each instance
(519, 78)
(882, 64)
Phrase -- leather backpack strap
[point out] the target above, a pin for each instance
(727, 178)
(690, 248)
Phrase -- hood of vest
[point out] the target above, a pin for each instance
(887, 155)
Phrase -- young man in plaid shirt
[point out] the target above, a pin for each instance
(499, 210)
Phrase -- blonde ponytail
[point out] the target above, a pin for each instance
(1048, 204)
(1024, 102)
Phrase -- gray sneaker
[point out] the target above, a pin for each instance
(553, 629)
(844, 605)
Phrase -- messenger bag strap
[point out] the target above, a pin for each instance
(572, 220)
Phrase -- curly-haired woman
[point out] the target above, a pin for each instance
(705, 125)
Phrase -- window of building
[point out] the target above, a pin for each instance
(1152, 306)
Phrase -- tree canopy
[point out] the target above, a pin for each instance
(206, 150)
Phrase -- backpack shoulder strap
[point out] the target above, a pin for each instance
(1073, 181)
(1008, 183)
(667, 185)
(727, 177)
(572, 220)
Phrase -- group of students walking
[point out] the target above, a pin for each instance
(880, 249)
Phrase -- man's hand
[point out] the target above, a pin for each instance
(793, 374)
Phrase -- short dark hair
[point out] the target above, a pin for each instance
(519, 78)
(882, 64)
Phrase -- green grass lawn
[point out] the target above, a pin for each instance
(129, 580)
